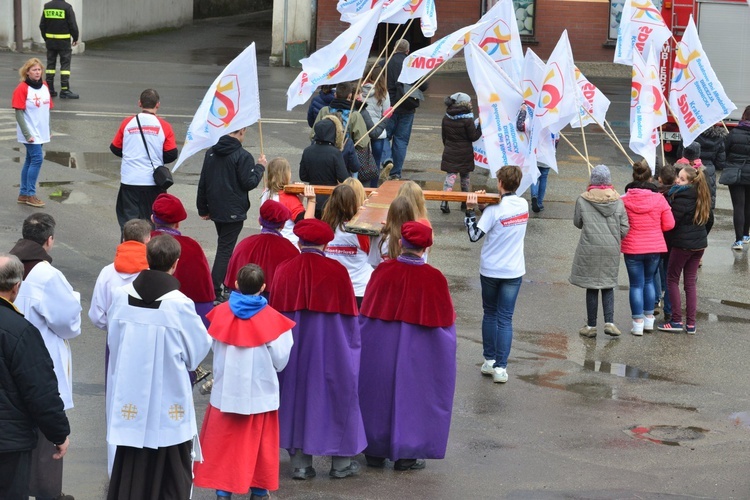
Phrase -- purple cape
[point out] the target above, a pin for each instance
(319, 411)
(406, 384)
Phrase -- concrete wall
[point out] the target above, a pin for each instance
(215, 8)
(299, 24)
(100, 18)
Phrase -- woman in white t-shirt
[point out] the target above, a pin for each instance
(32, 102)
(501, 266)
(348, 248)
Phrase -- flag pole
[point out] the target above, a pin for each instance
(260, 134)
(406, 95)
(613, 139)
(663, 156)
(617, 141)
(385, 64)
(585, 146)
(725, 126)
(576, 150)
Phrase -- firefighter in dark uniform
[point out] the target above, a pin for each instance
(59, 30)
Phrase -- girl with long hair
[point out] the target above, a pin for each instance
(386, 246)
(690, 199)
(278, 175)
(349, 249)
(412, 192)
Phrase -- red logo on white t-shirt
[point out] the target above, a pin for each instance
(516, 220)
(37, 101)
(349, 250)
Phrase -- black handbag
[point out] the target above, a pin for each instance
(368, 168)
(162, 175)
(730, 175)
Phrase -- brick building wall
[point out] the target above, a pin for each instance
(586, 22)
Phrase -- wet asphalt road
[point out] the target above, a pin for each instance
(654, 417)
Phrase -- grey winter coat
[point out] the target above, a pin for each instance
(601, 216)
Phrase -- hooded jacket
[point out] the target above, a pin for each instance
(713, 156)
(686, 234)
(601, 217)
(737, 146)
(322, 163)
(649, 216)
(229, 172)
(459, 132)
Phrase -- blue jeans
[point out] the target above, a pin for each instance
(538, 189)
(31, 168)
(498, 301)
(399, 132)
(641, 269)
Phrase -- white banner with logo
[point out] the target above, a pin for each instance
(642, 27)
(647, 108)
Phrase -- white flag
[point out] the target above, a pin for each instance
(400, 11)
(500, 38)
(533, 76)
(696, 95)
(499, 100)
(232, 102)
(350, 9)
(422, 61)
(647, 109)
(556, 105)
(342, 60)
(590, 99)
(641, 28)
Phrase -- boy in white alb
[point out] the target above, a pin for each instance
(240, 434)
(501, 267)
(137, 188)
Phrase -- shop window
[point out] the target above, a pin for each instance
(525, 15)
(615, 13)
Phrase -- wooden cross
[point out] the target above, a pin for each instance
(370, 217)
(129, 411)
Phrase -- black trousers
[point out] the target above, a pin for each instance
(65, 55)
(227, 233)
(148, 474)
(740, 195)
(14, 475)
(135, 202)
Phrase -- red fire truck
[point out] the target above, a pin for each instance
(724, 30)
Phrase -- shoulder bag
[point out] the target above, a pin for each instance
(162, 175)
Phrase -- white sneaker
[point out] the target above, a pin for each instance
(648, 324)
(488, 367)
(500, 375)
(638, 328)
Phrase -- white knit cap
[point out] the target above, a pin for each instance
(461, 98)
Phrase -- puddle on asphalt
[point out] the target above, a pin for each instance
(670, 435)
(621, 370)
(61, 158)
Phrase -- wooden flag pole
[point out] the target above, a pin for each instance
(576, 150)
(617, 141)
(613, 139)
(585, 146)
(260, 134)
(663, 156)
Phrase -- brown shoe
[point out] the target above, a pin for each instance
(22, 199)
(33, 201)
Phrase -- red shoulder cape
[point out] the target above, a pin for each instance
(265, 326)
(193, 271)
(413, 294)
(265, 250)
(313, 282)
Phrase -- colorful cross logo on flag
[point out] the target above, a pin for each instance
(226, 103)
(647, 109)
(642, 28)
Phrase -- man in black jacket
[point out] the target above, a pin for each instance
(60, 31)
(228, 174)
(28, 390)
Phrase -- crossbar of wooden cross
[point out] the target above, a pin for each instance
(371, 216)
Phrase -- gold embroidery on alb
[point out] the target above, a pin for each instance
(129, 411)
(176, 412)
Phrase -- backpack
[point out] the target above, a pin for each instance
(411, 102)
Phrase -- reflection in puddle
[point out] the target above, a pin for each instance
(621, 370)
(670, 435)
(65, 159)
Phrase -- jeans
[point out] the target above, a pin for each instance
(540, 188)
(740, 195)
(227, 233)
(641, 269)
(686, 261)
(399, 132)
(498, 302)
(31, 168)
(592, 304)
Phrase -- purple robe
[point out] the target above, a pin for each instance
(406, 384)
(319, 411)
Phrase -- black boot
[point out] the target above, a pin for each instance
(67, 94)
(463, 206)
(51, 86)
(445, 208)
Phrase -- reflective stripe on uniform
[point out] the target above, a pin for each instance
(50, 71)
(50, 35)
(65, 72)
(54, 14)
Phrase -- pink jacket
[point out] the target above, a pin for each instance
(649, 216)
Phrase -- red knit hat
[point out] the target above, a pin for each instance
(168, 209)
(416, 235)
(313, 232)
(273, 214)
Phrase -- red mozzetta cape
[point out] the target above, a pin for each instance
(192, 270)
(416, 294)
(313, 282)
(265, 250)
(265, 326)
